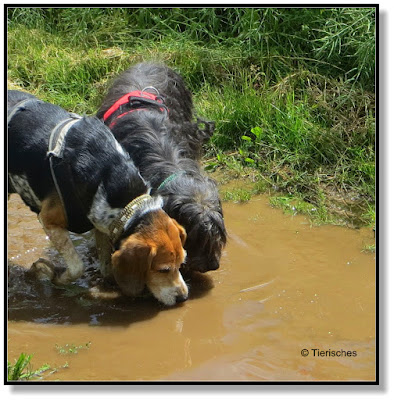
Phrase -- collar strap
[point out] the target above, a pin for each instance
(117, 226)
(170, 178)
(134, 101)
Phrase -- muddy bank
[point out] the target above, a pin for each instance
(283, 287)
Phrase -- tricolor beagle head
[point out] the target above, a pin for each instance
(152, 256)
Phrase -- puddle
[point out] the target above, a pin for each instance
(283, 287)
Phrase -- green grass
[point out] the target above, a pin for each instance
(333, 40)
(294, 204)
(22, 370)
(237, 195)
(369, 248)
(313, 137)
(291, 90)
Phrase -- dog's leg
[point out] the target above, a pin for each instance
(63, 244)
(104, 250)
(53, 220)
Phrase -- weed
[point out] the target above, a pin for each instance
(21, 370)
(72, 349)
(237, 195)
(369, 248)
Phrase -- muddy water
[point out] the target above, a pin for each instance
(283, 287)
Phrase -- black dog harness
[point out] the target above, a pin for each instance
(134, 101)
(75, 209)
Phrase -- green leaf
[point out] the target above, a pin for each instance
(258, 132)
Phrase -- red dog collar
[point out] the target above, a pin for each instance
(126, 99)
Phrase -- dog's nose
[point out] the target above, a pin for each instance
(213, 265)
(181, 298)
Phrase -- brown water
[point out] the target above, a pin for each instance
(283, 286)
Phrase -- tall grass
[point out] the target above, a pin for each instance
(339, 41)
(21, 370)
(301, 78)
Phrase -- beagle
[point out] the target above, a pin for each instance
(72, 172)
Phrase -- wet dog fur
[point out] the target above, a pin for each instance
(149, 252)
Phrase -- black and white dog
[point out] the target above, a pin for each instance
(149, 110)
(72, 172)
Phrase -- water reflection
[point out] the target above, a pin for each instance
(283, 286)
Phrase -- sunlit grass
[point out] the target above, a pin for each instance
(302, 79)
(21, 369)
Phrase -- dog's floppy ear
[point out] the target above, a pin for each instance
(182, 232)
(130, 264)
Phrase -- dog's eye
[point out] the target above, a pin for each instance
(164, 270)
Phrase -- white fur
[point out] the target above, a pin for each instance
(118, 146)
(167, 295)
(121, 150)
(101, 214)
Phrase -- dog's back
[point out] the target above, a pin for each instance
(91, 156)
(189, 133)
(16, 96)
(169, 84)
(28, 136)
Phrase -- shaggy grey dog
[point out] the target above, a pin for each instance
(185, 128)
(150, 112)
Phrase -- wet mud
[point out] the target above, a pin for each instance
(290, 302)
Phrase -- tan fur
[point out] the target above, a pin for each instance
(153, 257)
(54, 222)
(150, 257)
(52, 212)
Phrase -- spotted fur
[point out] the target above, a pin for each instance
(19, 184)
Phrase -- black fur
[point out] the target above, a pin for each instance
(189, 196)
(90, 152)
(192, 132)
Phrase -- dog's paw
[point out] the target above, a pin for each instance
(42, 269)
